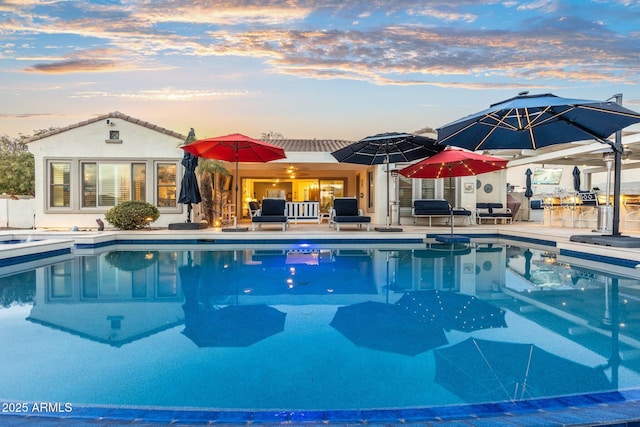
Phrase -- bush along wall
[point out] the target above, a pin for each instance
(132, 215)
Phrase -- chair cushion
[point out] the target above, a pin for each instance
(351, 218)
(345, 207)
(492, 210)
(435, 205)
(496, 208)
(500, 215)
(484, 208)
(273, 207)
(536, 204)
(269, 218)
(461, 212)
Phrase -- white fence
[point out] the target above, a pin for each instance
(17, 213)
(303, 211)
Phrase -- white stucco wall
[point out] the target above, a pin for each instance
(139, 144)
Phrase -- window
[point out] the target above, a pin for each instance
(60, 280)
(428, 190)
(139, 179)
(114, 184)
(60, 193)
(167, 285)
(90, 270)
(166, 173)
(89, 185)
(405, 191)
(108, 184)
(329, 190)
(449, 195)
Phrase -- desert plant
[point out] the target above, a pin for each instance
(132, 215)
(211, 172)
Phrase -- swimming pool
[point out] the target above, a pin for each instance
(323, 328)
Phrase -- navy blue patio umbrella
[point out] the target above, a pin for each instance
(576, 179)
(536, 121)
(189, 190)
(391, 147)
(528, 191)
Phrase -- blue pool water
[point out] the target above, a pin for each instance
(316, 328)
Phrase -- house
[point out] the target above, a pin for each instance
(310, 172)
(84, 169)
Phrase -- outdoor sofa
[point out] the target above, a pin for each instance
(493, 212)
(437, 208)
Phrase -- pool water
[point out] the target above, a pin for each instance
(316, 328)
(16, 241)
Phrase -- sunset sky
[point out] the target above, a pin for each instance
(303, 68)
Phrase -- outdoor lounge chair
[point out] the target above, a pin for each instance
(345, 211)
(271, 212)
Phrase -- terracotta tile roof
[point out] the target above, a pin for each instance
(309, 145)
(114, 115)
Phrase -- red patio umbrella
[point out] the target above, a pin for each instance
(235, 148)
(453, 162)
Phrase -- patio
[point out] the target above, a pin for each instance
(519, 230)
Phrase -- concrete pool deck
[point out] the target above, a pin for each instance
(620, 408)
(529, 232)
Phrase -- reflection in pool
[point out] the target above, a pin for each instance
(303, 328)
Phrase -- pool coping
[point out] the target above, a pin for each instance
(608, 408)
(601, 409)
(48, 244)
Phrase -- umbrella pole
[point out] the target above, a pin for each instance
(387, 226)
(617, 149)
(388, 186)
(235, 216)
(451, 213)
(617, 171)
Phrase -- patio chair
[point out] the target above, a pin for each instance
(271, 212)
(345, 211)
(254, 208)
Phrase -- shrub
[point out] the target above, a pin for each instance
(131, 260)
(132, 215)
